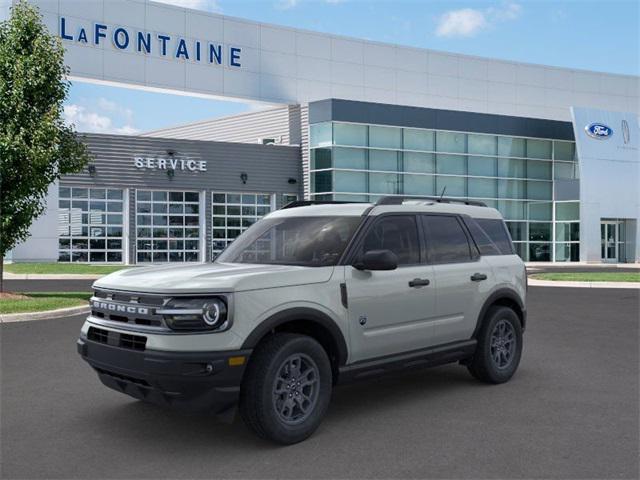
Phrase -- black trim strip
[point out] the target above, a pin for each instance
(428, 357)
(419, 117)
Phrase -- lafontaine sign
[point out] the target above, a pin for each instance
(146, 43)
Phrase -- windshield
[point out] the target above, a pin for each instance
(305, 241)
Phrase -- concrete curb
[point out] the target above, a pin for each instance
(51, 276)
(49, 314)
(552, 283)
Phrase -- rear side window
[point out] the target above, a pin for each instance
(446, 240)
(497, 232)
(483, 242)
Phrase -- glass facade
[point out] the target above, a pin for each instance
(513, 174)
(233, 213)
(167, 226)
(90, 225)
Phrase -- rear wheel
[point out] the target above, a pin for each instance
(499, 346)
(286, 389)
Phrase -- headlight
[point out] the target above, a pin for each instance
(196, 314)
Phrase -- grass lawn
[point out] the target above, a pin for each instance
(589, 276)
(53, 267)
(41, 301)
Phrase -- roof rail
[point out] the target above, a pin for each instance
(399, 199)
(306, 203)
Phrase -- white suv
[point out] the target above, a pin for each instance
(311, 296)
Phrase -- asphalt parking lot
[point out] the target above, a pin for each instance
(570, 412)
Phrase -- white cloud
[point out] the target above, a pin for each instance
(467, 22)
(208, 5)
(86, 120)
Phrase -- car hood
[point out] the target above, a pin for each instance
(212, 277)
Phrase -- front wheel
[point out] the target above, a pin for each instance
(499, 346)
(286, 389)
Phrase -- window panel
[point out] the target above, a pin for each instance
(539, 211)
(517, 230)
(320, 159)
(385, 137)
(350, 182)
(538, 148)
(419, 162)
(511, 189)
(320, 134)
(567, 211)
(539, 190)
(567, 252)
(419, 185)
(565, 171)
(355, 158)
(483, 187)
(321, 181)
(539, 252)
(415, 139)
(383, 160)
(512, 210)
(511, 147)
(564, 150)
(451, 142)
(539, 169)
(451, 164)
(567, 232)
(539, 232)
(352, 135)
(383, 183)
(511, 167)
(451, 186)
(483, 144)
(483, 166)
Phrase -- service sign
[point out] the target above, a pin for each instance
(171, 163)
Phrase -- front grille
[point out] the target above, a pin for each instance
(128, 308)
(116, 339)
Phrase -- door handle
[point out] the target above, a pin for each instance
(419, 282)
(478, 277)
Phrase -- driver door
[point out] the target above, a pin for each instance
(389, 311)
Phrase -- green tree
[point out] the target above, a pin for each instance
(36, 147)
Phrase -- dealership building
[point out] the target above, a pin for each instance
(555, 150)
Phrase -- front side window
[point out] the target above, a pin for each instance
(398, 234)
(447, 241)
(304, 241)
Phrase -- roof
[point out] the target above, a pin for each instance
(412, 206)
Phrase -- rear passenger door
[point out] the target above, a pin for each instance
(461, 276)
(390, 311)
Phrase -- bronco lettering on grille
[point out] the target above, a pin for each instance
(116, 307)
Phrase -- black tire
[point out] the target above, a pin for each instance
(272, 362)
(498, 362)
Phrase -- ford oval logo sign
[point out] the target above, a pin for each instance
(599, 131)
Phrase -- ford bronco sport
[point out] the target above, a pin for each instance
(313, 295)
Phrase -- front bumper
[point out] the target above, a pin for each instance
(186, 380)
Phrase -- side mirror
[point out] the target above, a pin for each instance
(377, 260)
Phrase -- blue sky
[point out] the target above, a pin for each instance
(599, 35)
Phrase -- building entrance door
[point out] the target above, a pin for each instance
(609, 231)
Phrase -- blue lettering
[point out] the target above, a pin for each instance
(182, 49)
(82, 36)
(63, 33)
(144, 39)
(234, 57)
(215, 53)
(99, 28)
(164, 39)
(197, 51)
(117, 37)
